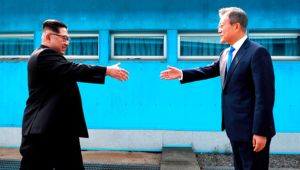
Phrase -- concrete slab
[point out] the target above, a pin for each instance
(178, 159)
(178, 167)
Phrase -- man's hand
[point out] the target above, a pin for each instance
(116, 72)
(171, 73)
(259, 143)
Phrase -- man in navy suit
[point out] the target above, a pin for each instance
(248, 90)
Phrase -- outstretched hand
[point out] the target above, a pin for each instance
(171, 73)
(116, 72)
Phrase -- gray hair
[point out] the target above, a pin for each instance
(235, 15)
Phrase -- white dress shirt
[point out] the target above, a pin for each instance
(237, 45)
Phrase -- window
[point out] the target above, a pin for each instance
(138, 46)
(199, 46)
(16, 45)
(83, 46)
(282, 46)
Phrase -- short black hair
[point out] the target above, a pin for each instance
(53, 25)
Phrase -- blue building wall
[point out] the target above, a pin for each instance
(145, 101)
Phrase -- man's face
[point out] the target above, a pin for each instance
(226, 30)
(59, 41)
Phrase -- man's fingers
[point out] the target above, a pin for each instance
(255, 145)
(123, 76)
(163, 75)
(120, 74)
(118, 64)
(258, 147)
(164, 72)
(165, 78)
(170, 74)
(255, 148)
(124, 71)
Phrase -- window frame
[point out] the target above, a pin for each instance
(84, 57)
(132, 35)
(198, 58)
(279, 34)
(12, 35)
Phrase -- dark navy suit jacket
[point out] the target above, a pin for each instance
(54, 104)
(248, 91)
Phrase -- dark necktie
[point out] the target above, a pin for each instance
(229, 57)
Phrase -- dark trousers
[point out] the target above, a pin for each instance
(246, 159)
(44, 152)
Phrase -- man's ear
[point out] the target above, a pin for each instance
(237, 26)
(47, 36)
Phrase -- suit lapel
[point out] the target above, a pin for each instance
(223, 66)
(236, 60)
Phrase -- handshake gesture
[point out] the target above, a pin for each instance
(121, 74)
(171, 73)
(116, 72)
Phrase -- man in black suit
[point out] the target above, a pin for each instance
(53, 118)
(248, 90)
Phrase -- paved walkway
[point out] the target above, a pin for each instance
(109, 157)
(170, 159)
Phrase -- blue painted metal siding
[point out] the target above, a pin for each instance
(145, 101)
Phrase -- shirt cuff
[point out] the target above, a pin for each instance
(181, 76)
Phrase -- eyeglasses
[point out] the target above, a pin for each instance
(64, 37)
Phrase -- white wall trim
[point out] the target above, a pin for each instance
(147, 140)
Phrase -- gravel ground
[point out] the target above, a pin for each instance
(276, 161)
